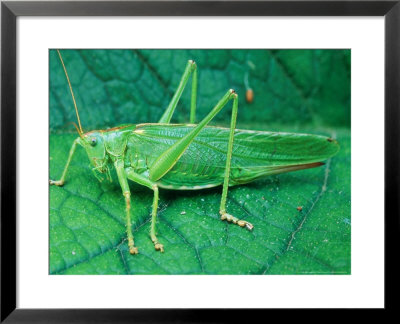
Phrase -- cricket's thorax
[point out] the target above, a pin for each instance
(105, 146)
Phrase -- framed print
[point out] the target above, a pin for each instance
(148, 158)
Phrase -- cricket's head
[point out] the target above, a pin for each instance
(94, 144)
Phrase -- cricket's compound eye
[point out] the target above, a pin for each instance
(93, 141)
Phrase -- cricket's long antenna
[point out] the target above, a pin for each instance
(80, 131)
(77, 129)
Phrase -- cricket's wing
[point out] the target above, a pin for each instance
(255, 153)
(259, 154)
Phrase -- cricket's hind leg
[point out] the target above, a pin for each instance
(234, 220)
(191, 69)
(168, 158)
(222, 209)
(153, 186)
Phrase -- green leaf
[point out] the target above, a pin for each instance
(112, 87)
(302, 90)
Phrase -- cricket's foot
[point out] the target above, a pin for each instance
(158, 246)
(133, 250)
(234, 220)
(56, 183)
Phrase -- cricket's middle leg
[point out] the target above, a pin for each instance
(132, 175)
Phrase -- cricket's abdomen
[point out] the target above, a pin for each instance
(198, 168)
(194, 173)
(255, 154)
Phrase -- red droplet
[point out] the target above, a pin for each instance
(249, 95)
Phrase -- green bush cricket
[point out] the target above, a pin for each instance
(193, 156)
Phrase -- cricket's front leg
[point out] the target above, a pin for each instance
(71, 153)
(119, 166)
(132, 175)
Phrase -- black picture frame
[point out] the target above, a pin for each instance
(10, 10)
